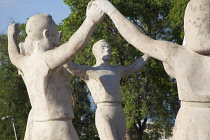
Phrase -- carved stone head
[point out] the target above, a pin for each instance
(102, 50)
(42, 34)
(197, 26)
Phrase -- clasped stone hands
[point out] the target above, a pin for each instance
(94, 13)
(105, 6)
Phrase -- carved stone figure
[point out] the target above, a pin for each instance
(103, 81)
(190, 64)
(46, 80)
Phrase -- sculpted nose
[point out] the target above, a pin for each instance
(107, 49)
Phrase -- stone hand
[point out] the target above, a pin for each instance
(94, 13)
(13, 29)
(105, 6)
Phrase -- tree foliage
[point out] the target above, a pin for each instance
(176, 15)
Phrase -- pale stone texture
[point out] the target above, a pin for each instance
(103, 81)
(169, 70)
(46, 80)
(190, 65)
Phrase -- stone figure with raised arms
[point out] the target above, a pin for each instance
(190, 64)
(103, 81)
(46, 80)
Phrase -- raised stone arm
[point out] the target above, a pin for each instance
(169, 69)
(137, 65)
(78, 40)
(13, 49)
(154, 48)
(76, 69)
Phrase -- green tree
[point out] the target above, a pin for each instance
(176, 16)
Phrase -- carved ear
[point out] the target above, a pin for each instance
(22, 49)
(46, 34)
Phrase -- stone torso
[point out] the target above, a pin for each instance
(192, 72)
(48, 89)
(104, 84)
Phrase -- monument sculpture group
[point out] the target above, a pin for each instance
(44, 70)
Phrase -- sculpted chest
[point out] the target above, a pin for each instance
(104, 85)
(193, 77)
(104, 76)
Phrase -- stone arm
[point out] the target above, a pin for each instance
(169, 69)
(13, 49)
(154, 48)
(76, 69)
(137, 65)
(78, 40)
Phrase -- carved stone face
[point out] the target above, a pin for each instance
(197, 26)
(103, 51)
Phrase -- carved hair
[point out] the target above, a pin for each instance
(37, 24)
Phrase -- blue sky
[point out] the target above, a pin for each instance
(20, 10)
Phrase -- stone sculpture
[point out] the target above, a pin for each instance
(103, 81)
(46, 80)
(190, 64)
(169, 70)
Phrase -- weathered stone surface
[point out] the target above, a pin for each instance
(47, 81)
(190, 64)
(103, 81)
